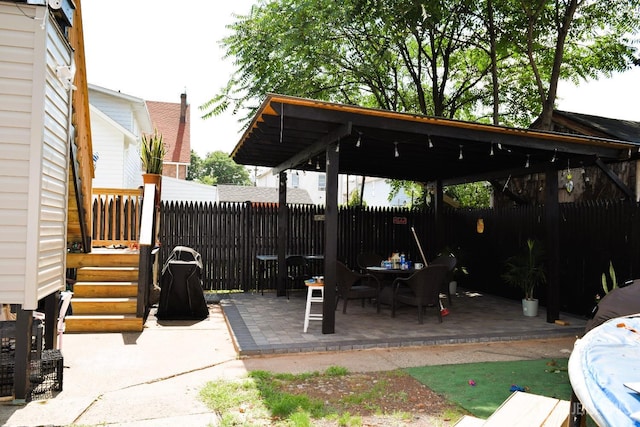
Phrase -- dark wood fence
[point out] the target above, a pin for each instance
(229, 236)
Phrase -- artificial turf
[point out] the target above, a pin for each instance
(481, 387)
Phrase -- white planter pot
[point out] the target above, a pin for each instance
(530, 307)
(453, 287)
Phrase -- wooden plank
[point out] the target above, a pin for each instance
(524, 410)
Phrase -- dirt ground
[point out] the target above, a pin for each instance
(379, 398)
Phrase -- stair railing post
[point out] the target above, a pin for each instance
(145, 245)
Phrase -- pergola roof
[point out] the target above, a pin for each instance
(294, 133)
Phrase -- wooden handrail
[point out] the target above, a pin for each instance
(116, 216)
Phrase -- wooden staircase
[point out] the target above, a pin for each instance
(105, 292)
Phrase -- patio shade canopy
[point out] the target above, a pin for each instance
(294, 133)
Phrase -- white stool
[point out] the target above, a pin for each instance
(310, 299)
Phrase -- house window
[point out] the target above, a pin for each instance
(295, 180)
(322, 182)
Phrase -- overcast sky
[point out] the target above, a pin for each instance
(157, 49)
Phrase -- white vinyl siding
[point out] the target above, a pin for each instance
(34, 147)
(108, 144)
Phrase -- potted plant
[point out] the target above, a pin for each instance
(526, 271)
(152, 153)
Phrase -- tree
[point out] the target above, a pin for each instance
(487, 60)
(217, 168)
(195, 167)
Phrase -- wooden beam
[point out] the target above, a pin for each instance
(318, 147)
(616, 180)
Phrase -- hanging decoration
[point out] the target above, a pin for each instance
(359, 139)
(480, 225)
(396, 153)
(430, 142)
(460, 157)
(569, 184)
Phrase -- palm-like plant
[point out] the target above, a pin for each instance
(526, 270)
(152, 152)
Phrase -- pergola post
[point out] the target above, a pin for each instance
(283, 233)
(437, 211)
(552, 230)
(330, 240)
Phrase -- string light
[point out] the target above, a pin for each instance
(396, 153)
(338, 147)
(491, 151)
(309, 162)
(526, 165)
(317, 164)
(554, 158)
(359, 139)
(499, 146)
(460, 157)
(431, 142)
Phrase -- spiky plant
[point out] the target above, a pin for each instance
(152, 152)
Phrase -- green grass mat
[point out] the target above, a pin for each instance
(493, 380)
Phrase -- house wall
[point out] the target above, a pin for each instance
(109, 147)
(116, 137)
(34, 155)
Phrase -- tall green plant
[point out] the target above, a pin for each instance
(526, 270)
(152, 152)
(612, 275)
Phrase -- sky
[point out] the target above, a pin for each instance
(158, 49)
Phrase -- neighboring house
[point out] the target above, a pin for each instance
(239, 193)
(173, 121)
(576, 182)
(376, 190)
(118, 121)
(179, 190)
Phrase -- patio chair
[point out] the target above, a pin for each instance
(450, 261)
(421, 289)
(297, 272)
(368, 259)
(351, 286)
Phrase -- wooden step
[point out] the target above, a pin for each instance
(103, 323)
(527, 410)
(104, 305)
(107, 274)
(105, 289)
(103, 259)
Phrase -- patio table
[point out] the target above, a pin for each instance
(604, 371)
(386, 277)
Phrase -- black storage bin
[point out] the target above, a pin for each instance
(181, 294)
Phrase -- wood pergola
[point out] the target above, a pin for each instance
(296, 133)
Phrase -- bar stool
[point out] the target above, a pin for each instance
(311, 298)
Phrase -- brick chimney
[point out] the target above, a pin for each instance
(183, 108)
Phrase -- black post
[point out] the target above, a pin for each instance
(552, 247)
(330, 240)
(51, 303)
(283, 229)
(437, 211)
(24, 324)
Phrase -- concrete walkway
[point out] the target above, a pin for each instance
(153, 378)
